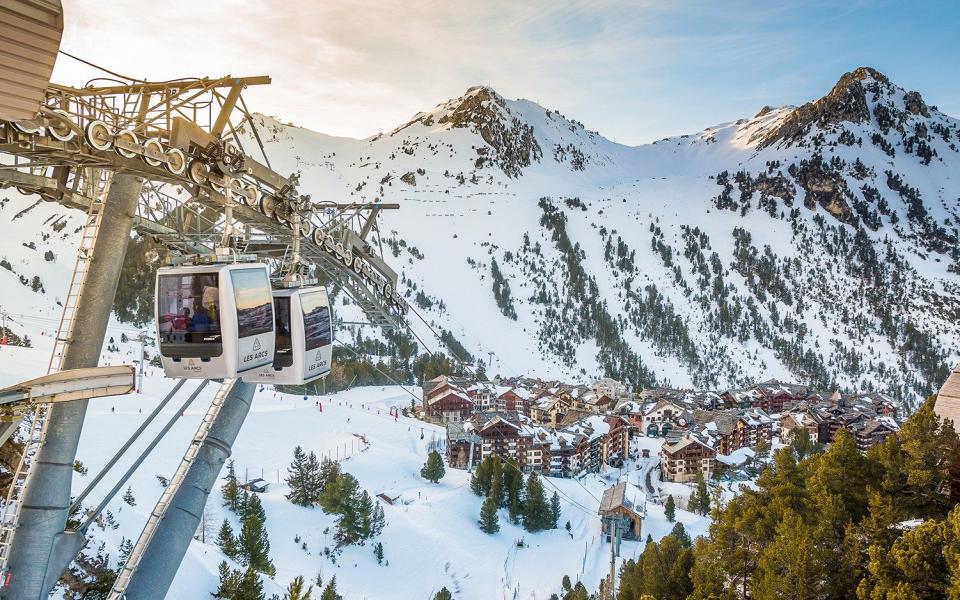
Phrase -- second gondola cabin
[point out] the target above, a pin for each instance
(214, 321)
(304, 340)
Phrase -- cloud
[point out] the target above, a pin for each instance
(633, 70)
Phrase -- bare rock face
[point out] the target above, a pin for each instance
(847, 101)
(823, 185)
(914, 104)
(513, 143)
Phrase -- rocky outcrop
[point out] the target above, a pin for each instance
(823, 185)
(513, 143)
(846, 102)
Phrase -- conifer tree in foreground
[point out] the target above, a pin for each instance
(489, 522)
(226, 540)
(377, 520)
(253, 545)
(443, 594)
(536, 511)
(378, 552)
(480, 479)
(229, 582)
(554, 510)
(250, 587)
(670, 509)
(300, 480)
(230, 490)
(128, 497)
(296, 591)
(433, 470)
(330, 592)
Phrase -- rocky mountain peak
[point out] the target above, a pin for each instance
(846, 101)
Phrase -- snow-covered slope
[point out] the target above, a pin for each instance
(815, 243)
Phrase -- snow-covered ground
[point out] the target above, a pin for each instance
(431, 538)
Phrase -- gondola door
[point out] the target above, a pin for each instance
(318, 332)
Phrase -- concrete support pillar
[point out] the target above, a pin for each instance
(47, 495)
(175, 531)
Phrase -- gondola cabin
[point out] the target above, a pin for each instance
(214, 321)
(304, 342)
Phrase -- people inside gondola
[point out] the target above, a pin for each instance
(183, 321)
(201, 320)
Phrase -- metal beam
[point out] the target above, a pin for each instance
(74, 384)
(182, 86)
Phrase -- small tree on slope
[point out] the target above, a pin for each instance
(670, 509)
(231, 491)
(296, 591)
(536, 511)
(433, 470)
(489, 522)
(226, 540)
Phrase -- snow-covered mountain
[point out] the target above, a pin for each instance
(812, 243)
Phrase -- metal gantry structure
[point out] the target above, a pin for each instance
(192, 154)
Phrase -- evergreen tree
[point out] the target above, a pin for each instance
(703, 496)
(443, 594)
(253, 506)
(226, 540)
(802, 443)
(554, 510)
(250, 586)
(295, 590)
(489, 522)
(512, 485)
(335, 489)
(378, 552)
(229, 582)
(670, 509)
(300, 480)
(350, 524)
(329, 472)
(330, 592)
(681, 534)
(433, 470)
(791, 566)
(480, 479)
(365, 508)
(377, 520)
(253, 545)
(231, 490)
(918, 565)
(126, 547)
(536, 511)
(314, 478)
(128, 497)
(496, 480)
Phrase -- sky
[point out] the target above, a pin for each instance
(634, 71)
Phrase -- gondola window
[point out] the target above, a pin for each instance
(316, 320)
(251, 290)
(188, 308)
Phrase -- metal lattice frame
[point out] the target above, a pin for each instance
(186, 139)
